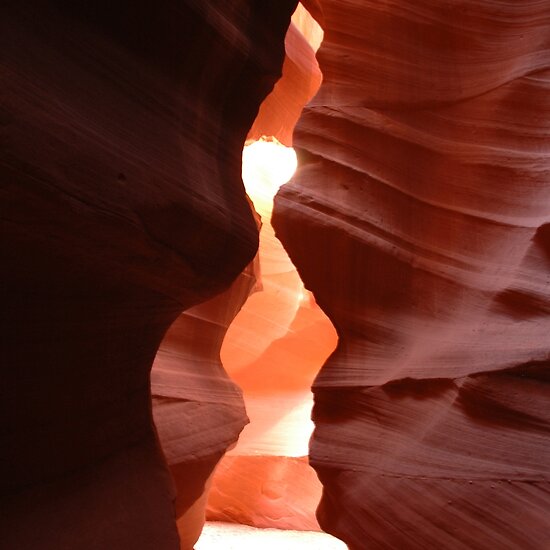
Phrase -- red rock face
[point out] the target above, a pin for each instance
(419, 219)
(122, 205)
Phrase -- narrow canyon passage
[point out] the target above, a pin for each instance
(280, 338)
(276, 340)
(272, 350)
(155, 368)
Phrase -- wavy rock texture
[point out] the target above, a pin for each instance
(122, 205)
(420, 220)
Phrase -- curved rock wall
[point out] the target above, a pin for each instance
(419, 219)
(122, 205)
(199, 412)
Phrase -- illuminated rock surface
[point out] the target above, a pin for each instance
(265, 490)
(300, 81)
(420, 219)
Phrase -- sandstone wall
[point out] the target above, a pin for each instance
(420, 220)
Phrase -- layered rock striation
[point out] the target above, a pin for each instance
(419, 218)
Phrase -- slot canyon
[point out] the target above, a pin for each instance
(275, 275)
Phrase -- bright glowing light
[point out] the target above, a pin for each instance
(267, 315)
(232, 536)
(267, 164)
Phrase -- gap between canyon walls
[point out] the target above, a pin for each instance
(277, 339)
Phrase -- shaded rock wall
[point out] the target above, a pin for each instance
(419, 219)
(122, 205)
